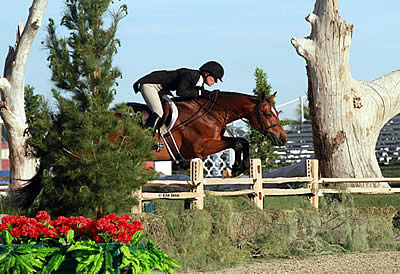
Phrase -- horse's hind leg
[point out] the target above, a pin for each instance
(242, 155)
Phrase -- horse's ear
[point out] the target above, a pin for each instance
(272, 97)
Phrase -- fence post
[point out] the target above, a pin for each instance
(197, 179)
(256, 175)
(312, 171)
(138, 195)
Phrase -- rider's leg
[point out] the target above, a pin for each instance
(151, 97)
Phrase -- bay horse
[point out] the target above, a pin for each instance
(198, 131)
(201, 123)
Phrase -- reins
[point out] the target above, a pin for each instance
(195, 115)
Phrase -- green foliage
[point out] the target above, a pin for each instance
(26, 258)
(91, 160)
(120, 108)
(260, 146)
(85, 256)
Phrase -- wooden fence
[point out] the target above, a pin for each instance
(255, 186)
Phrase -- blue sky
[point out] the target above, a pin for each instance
(241, 35)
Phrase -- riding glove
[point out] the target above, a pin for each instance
(206, 93)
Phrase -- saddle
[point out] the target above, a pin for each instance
(167, 122)
(170, 113)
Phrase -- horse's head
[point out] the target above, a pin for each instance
(265, 119)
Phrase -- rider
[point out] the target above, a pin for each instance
(186, 83)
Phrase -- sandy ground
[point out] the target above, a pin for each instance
(382, 262)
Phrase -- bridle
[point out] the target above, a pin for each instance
(260, 104)
(260, 114)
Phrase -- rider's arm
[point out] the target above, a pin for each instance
(187, 86)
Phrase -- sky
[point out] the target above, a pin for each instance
(241, 35)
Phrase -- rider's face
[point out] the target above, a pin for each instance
(210, 80)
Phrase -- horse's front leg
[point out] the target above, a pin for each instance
(242, 156)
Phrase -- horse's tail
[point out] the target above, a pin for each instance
(24, 196)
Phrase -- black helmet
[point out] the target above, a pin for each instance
(214, 69)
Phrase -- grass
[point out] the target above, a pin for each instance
(286, 202)
(232, 231)
(376, 200)
(392, 170)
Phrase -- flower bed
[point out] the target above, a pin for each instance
(78, 244)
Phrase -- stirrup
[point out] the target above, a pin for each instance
(157, 147)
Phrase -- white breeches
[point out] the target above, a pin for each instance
(151, 97)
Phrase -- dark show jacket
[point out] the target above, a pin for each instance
(183, 81)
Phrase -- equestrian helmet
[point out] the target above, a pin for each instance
(214, 69)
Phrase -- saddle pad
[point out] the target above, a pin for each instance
(175, 112)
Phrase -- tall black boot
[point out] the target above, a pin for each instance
(153, 121)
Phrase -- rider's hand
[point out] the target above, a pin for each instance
(206, 93)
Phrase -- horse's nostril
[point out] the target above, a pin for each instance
(282, 141)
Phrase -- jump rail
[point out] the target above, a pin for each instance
(314, 186)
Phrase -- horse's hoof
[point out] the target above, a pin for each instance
(227, 173)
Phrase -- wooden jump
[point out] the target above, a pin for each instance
(314, 186)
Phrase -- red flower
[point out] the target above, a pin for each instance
(34, 233)
(124, 237)
(109, 228)
(42, 216)
(3, 227)
(98, 239)
(15, 232)
(10, 219)
(60, 220)
(22, 220)
(63, 230)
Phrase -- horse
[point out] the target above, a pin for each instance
(200, 126)
(194, 128)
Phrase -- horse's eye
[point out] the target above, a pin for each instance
(268, 115)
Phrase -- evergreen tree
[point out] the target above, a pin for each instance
(91, 160)
(260, 146)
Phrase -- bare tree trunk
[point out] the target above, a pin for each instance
(12, 109)
(347, 115)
